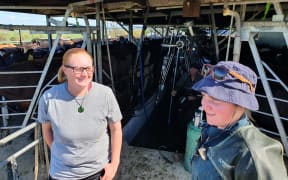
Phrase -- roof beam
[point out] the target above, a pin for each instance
(33, 7)
(87, 2)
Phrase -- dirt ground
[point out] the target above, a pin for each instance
(150, 164)
(136, 163)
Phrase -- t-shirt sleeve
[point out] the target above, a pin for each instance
(114, 113)
(42, 110)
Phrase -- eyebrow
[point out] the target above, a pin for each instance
(68, 65)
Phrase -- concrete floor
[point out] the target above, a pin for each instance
(142, 163)
(136, 163)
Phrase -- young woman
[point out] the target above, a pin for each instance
(81, 122)
(230, 147)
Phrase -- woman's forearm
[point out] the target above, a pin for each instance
(116, 142)
(47, 133)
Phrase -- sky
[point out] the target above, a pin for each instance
(21, 18)
(13, 18)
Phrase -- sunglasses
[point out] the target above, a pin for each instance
(219, 73)
(79, 70)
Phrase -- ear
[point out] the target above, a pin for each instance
(240, 110)
(64, 69)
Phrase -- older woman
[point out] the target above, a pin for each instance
(81, 122)
(230, 146)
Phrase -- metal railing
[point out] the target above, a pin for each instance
(11, 161)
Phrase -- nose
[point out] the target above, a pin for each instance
(205, 102)
(84, 72)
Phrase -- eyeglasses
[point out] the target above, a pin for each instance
(79, 70)
(219, 73)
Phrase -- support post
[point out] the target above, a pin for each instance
(99, 53)
(130, 31)
(4, 112)
(214, 32)
(89, 46)
(49, 34)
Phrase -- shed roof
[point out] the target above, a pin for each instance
(127, 11)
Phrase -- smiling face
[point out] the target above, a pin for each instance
(220, 113)
(79, 60)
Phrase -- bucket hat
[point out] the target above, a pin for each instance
(230, 82)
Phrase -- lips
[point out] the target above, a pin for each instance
(210, 114)
(83, 81)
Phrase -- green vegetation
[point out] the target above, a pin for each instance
(8, 37)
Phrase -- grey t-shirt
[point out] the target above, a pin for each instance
(81, 145)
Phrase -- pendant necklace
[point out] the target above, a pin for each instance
(80, 108)
(80, 105)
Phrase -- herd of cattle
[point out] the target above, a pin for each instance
(129, 88)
